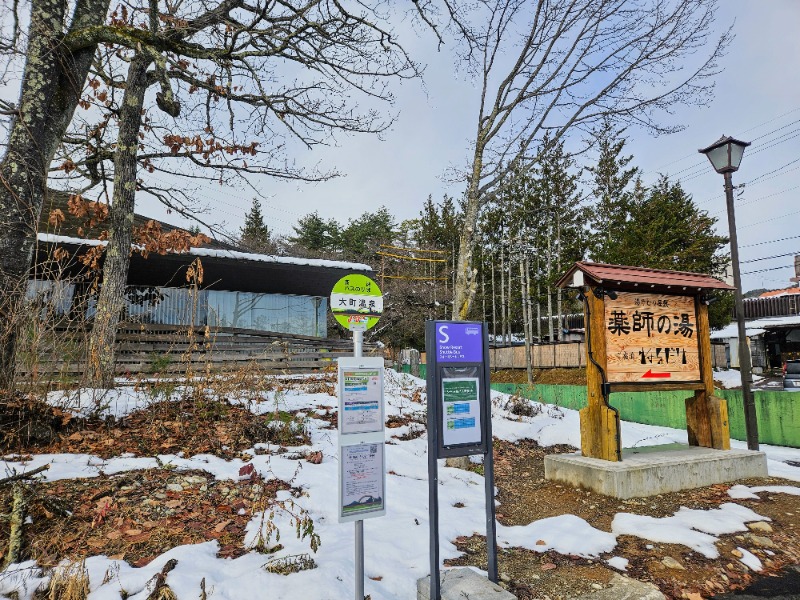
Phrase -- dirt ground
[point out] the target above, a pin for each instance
(138, 515)
(543, 376)
(525, 496)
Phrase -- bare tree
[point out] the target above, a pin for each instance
(559, 67)
(241, 86)
(50, 89)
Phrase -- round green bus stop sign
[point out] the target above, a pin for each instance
(356, 302)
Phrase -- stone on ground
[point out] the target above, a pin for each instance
(457, 584)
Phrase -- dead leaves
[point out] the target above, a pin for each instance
(137, 515)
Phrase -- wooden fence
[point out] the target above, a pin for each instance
(566, 355)
(144, 348)
(543, 356)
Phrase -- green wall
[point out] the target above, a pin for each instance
(778, 412)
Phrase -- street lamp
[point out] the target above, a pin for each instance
(726, 155)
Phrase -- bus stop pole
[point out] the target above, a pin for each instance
(358, 351)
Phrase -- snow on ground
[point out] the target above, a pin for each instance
(396, 544)
(731, 378)
(743, 492)
(696, 529)
(750, 560)
(618, 562)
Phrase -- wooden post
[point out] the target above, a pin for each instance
(706, 414)
(599, 423)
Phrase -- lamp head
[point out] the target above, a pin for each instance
(725, 154)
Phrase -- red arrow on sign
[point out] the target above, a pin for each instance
(651, 375)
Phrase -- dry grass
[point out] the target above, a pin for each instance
(70, 581)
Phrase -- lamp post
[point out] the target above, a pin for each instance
(726, 155)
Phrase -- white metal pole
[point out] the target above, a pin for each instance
(358, 344)
(358, 351)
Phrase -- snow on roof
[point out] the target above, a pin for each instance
(755, 327)
(63, 239)
(229, 254)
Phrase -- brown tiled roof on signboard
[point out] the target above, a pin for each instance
(617, 275)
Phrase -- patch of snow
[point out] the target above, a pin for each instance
(743, 492)
(696, 529)
(399, 535)
(618, 562)
(750, 560)
(22, 578)
(566, 534)
(731, 378)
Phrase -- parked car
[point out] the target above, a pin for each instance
(791, 376)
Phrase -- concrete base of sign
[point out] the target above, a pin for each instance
(457, 584)
(655, 470)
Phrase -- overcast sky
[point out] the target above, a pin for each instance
(757, 99)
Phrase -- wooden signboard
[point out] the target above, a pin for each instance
(651, 339)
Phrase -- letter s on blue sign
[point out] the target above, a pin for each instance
(442, 331)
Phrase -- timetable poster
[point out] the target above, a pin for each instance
(462, 411)
(362, 479)
(362, 400)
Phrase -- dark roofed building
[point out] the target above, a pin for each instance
(238, 290)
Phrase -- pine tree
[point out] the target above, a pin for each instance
(362, 236)
(255, 235)
(613, 198)
(314, 234)
(672, 233)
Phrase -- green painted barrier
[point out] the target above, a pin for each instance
(778, 412)
(423, 369)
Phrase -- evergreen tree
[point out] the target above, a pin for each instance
(668, 231)
(316, 235)
(672, 233)
(255, 235)
(438, 226)
(362, 236)
(613, 198)
(561, 223)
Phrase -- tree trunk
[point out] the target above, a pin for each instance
(530, 302)
(549, 290)
(483, 286)
(51, 86)
(538, 303)
(503, 319)
(509, 297)
(464, 289)
(524, 296)
(120, 231)
(494, 306)
(17, 522)
(558, 270)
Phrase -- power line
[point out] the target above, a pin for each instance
(794, 237)
(765, 270)
(752, 181)
(739, 204)
(745, 131)
(770, 257)
(769, 220)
